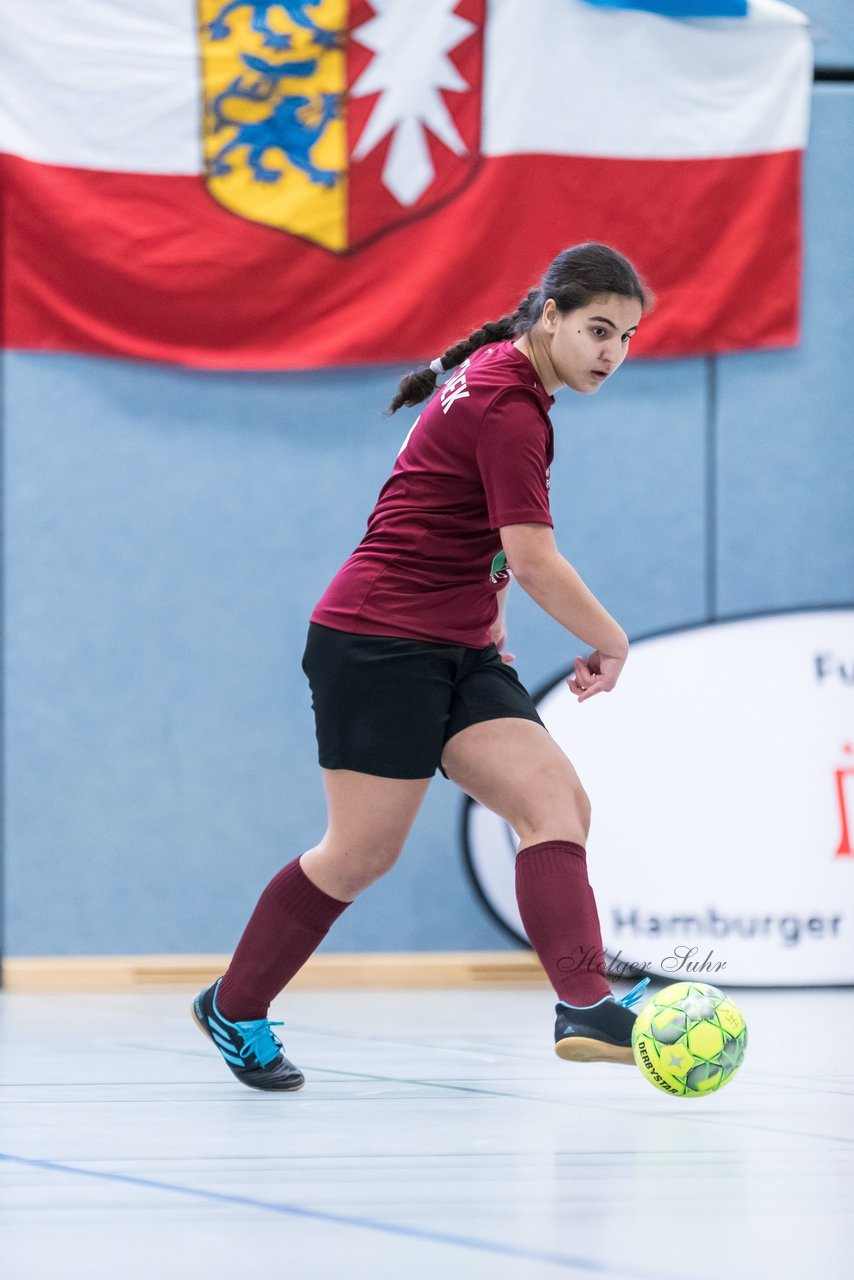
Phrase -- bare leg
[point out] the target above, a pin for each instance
(368, 821)
(515, 768)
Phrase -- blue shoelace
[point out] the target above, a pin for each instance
(635, 994)
(259, 1039)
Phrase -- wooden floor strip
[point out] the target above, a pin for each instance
(380, 971)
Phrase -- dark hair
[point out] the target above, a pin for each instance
(573, 279)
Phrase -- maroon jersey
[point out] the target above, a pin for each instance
(431, 562)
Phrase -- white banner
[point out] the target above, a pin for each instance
(721, 775)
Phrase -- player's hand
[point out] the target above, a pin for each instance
(596, 674)
(499, 639)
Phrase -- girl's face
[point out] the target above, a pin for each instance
(586, 346)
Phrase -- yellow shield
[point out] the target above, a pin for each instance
(275, 144)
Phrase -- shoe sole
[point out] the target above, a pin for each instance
(291, 1088)
(201, 1025)
(583, 1049)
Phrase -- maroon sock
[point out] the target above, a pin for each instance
(559, 913)
(290, 921)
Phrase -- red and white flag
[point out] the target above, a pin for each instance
(281, 185)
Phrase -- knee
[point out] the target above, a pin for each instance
(573, 812)
(354, 869)
(562, 812)
(373, 866)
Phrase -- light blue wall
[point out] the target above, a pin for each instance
(167, 533)
(832, 30)
(786, 443)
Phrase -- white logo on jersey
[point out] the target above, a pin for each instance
(455, 388)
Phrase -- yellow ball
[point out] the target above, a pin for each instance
(689, 1040)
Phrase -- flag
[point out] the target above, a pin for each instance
(290, 185)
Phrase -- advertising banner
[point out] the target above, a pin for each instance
(721, 776)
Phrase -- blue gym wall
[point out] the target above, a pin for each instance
(167, 533)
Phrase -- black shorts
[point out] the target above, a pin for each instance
(387, 706)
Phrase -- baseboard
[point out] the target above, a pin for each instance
(379, 971)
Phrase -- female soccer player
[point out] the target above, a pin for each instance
(405, 659)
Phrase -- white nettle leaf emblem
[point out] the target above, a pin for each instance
(411, 44)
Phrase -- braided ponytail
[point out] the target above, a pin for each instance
(421, 383)
(572, 280)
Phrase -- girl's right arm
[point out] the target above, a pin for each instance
(550, 580)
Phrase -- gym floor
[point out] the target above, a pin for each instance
(437, 1135)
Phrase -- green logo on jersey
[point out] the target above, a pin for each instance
(499, 569)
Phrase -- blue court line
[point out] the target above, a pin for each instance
(568, 1261)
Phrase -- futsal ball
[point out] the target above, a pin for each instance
(689, 1040)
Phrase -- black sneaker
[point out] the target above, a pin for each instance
(600, 1032)
(251, 1050)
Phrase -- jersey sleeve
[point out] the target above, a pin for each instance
(512, 456)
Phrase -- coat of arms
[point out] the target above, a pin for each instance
(336, 120)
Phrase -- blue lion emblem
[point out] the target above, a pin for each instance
(296, 11)
(294, 125)
(288, 127)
